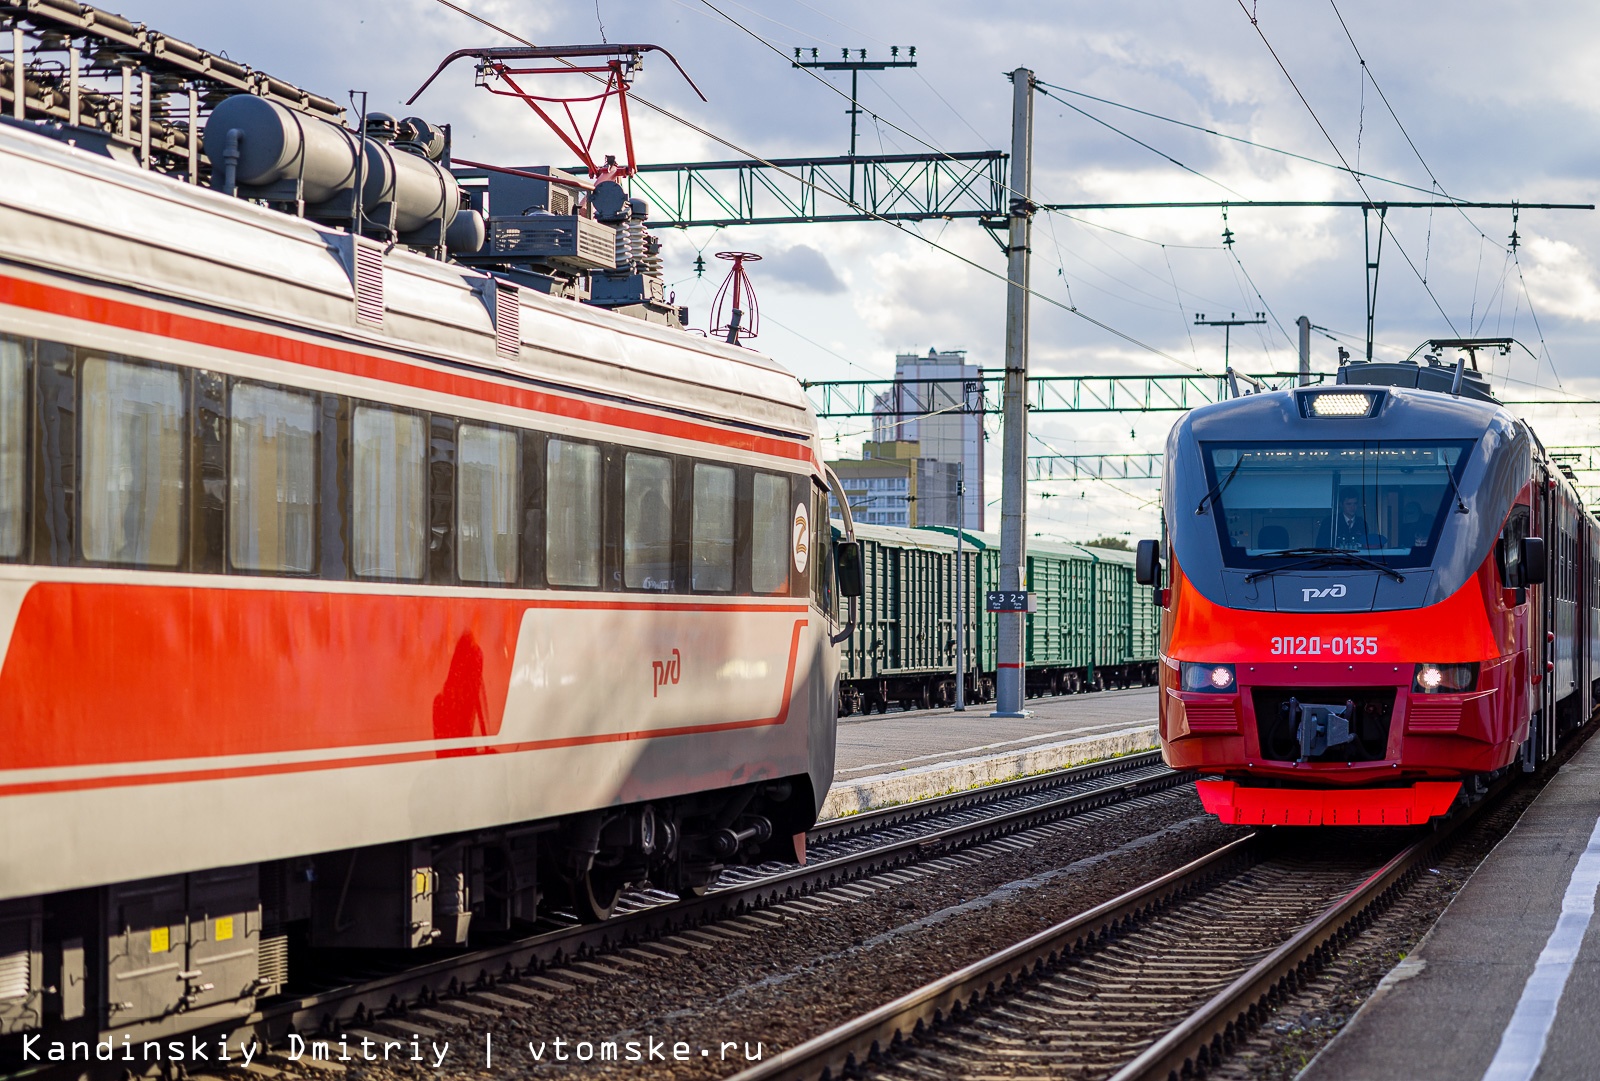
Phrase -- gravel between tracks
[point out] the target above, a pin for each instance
(1302, 1026)
(796, 970)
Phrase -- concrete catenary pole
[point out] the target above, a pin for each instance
(1304, 323)
(1013, 493)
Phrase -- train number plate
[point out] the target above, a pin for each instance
(1301, 646)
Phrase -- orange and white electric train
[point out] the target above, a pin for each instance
(367, 617)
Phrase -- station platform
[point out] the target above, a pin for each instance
(900, 757)
(1506, 986)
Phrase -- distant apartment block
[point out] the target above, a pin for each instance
(930, 416)
(895, 485)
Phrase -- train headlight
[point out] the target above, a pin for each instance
(1444, 678)
(1338, 404)
(1206, 678)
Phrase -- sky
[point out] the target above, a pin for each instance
(1481, 101)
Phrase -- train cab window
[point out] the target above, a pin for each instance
(711, 555)
(388, 494)
(647, 522)
(770, 534)
(13, 445)
(1510, 548)
(272, 480)
(133, 462)
(821, 555)
(487, 484)
(1386, 501)
(572, 514)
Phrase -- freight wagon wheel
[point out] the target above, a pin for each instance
(596, 896)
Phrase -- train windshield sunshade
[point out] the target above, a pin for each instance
(1385, 501)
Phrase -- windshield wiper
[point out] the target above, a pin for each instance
(1217, 488)
(1321, 557)
(1450, 475)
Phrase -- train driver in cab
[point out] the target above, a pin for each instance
(1349, 528)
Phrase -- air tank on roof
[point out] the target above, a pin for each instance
(274, 144)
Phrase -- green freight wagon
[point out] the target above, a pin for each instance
(1094, 627)
(902, 650)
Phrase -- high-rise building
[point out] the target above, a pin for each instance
(943, 417)
(892, 484)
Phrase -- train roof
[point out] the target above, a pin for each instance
(943, 538)
(71, 211)
(1396, 413)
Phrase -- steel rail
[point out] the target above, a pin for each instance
(844, 1049)
(1211, 1032)
(1197, 1043)
(884, 817)
(392, 994)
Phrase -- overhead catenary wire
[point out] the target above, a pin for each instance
(1383, 224)
(1133, 138)
(858, 208)
(1367, 73)
(1234, 138)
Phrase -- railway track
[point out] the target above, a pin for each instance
(1155, 984)
(839, 852)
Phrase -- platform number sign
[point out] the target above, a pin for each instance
(1011, 600)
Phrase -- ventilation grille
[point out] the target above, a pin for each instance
(272, 963)
(1433, 716)
(369, 284)
(16, 972)
(507, 321)
(1221, 717)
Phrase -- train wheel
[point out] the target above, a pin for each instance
(595, 898)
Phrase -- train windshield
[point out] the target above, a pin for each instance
(1384, 501)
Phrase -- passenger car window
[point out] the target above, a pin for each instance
(388, 493)
(272, 488)
(133, 458)
(572, 517)
(770, 529)
(647, 522)
(711, 559)
(13, 445)
(486, 504)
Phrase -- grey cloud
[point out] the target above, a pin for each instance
(803, 267)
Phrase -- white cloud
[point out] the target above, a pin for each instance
(1561, 279)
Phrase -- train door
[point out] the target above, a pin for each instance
(1541, 615)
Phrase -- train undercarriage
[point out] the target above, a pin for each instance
(156, 957)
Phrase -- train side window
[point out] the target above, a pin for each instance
(486, 505)
(647, 522)
(13, 446)
(134, 438)
(711, 554)
(770, 534)
(572, 514)
(388, 494)
(272, 480)
(55, 377)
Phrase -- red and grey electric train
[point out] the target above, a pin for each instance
(1379, 594)
(351, 598)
